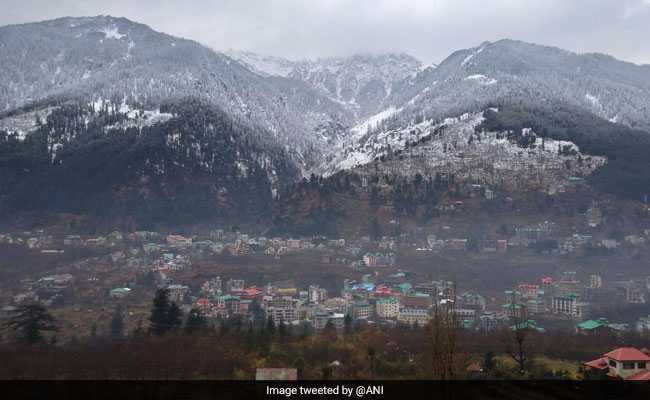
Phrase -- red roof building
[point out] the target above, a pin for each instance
(251, 293)
(627, 354)
(626, 363)
(599, 364)
(204, 305)
(640, 376)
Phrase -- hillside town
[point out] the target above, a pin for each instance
(380, 288)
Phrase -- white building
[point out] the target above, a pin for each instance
(387, 307)
(413, 316)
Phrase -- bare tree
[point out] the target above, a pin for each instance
(520, 331)
(443, 334)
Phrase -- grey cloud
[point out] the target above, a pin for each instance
(427, 29)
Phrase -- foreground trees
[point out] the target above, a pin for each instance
(29, 321)
(237, 350)
(165, 316)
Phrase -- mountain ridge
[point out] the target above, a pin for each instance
(358, 113)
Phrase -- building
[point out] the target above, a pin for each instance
(361, 309)
(251, 293)
(282, 314)
(119, 293)
(416, 300)
(321, 318)
(489, 322)
(231, 304)
(465, 314)
(626, 363)
(276, 374)
(387, 307)
(471, 300)
(179, 241)
(594, 327)
(379, 259)
(570, 305)
(535, 306)
(528, 291)
(643, 324)
(235, 285)
(595, 281)
(316, 294)
(414, 316)
(176, 293)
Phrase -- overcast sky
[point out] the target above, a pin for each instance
(427, 29)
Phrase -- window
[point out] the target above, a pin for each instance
(641, 365)
(628, 365)
(612, 363)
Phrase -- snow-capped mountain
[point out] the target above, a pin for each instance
(361, 83)
(263, 64)
(69, 85)
(107, 58)
(502, 72)
(472, 79)
(455, 147)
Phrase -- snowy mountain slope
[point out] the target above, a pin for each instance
(107, 58)
(264, 65)
(186, 162)
(324, 115)
(474, 78)
(497, 159)
(360, 82)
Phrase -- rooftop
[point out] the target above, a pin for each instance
(627, 354)
(640, 376)
(600, 363)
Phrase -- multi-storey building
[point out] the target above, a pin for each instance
(316, 294)
(413, 316)
(570, 305)
(387, 307)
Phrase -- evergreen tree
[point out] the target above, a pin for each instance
(347, 324)
(282, 331)
(195, 322)
(158, 321)
(375, 231)
(488, 361)
(329, 331)
(138, 332)
(299, 365)
(30, 321)
(250, 337)
(270, 327)
(174, 317)
(117, 324)
(306, 330)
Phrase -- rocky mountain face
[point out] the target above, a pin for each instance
(103, 109)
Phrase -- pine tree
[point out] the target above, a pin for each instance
(329, 331)
(117, 324)
(158, 321)
(282, 331)
(250, 337)
(174, 317)
(347, 324)
(195, 322)
(30, 321)
(270, 327)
